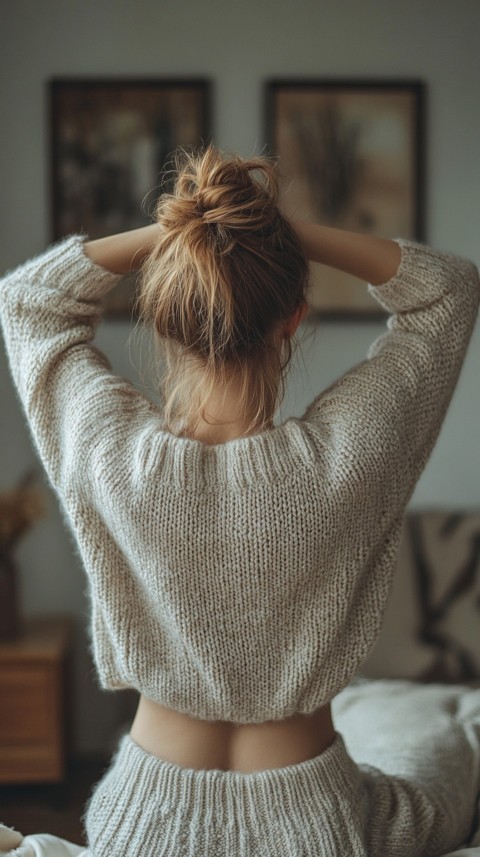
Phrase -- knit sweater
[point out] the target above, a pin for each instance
(243, 581)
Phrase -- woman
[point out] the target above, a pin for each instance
(239, 571)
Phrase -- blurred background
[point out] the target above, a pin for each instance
(238, 45)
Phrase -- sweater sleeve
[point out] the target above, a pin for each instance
(383, 417)
(50, 307)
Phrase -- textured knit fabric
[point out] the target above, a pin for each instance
(243, 581)
(421, 804)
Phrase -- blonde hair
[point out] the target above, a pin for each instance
(226, 270)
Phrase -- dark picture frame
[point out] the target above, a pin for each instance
(111, 141)
(351, 154)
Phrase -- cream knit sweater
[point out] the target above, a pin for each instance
(244, 581)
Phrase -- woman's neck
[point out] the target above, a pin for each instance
(223, 432)
(221, 421)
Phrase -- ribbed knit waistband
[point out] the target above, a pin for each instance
(225, 792)
(148, 806)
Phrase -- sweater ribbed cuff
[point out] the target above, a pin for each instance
(424, 275)
(65, 267)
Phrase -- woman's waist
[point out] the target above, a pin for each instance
(217, 744)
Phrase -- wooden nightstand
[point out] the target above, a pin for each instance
(34, 704)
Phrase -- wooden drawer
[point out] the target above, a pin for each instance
(26, 704)
(21, 763)
(33, 702)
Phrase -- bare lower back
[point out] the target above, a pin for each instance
(201, 744)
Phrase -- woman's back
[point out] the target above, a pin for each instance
(245, 581)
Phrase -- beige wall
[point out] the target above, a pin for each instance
(237, 44)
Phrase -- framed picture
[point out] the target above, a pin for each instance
(350, 155)
(111, 145)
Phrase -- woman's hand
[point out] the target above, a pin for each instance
(123, 252)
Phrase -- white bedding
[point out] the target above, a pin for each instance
(377, 718)
(380, 718)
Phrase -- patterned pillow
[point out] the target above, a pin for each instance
(431, 630)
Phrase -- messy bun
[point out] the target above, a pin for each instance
(226, 270)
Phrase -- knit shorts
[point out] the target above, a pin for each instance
(328, 806)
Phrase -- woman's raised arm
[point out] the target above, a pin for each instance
(124, 251)
(374, 260)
